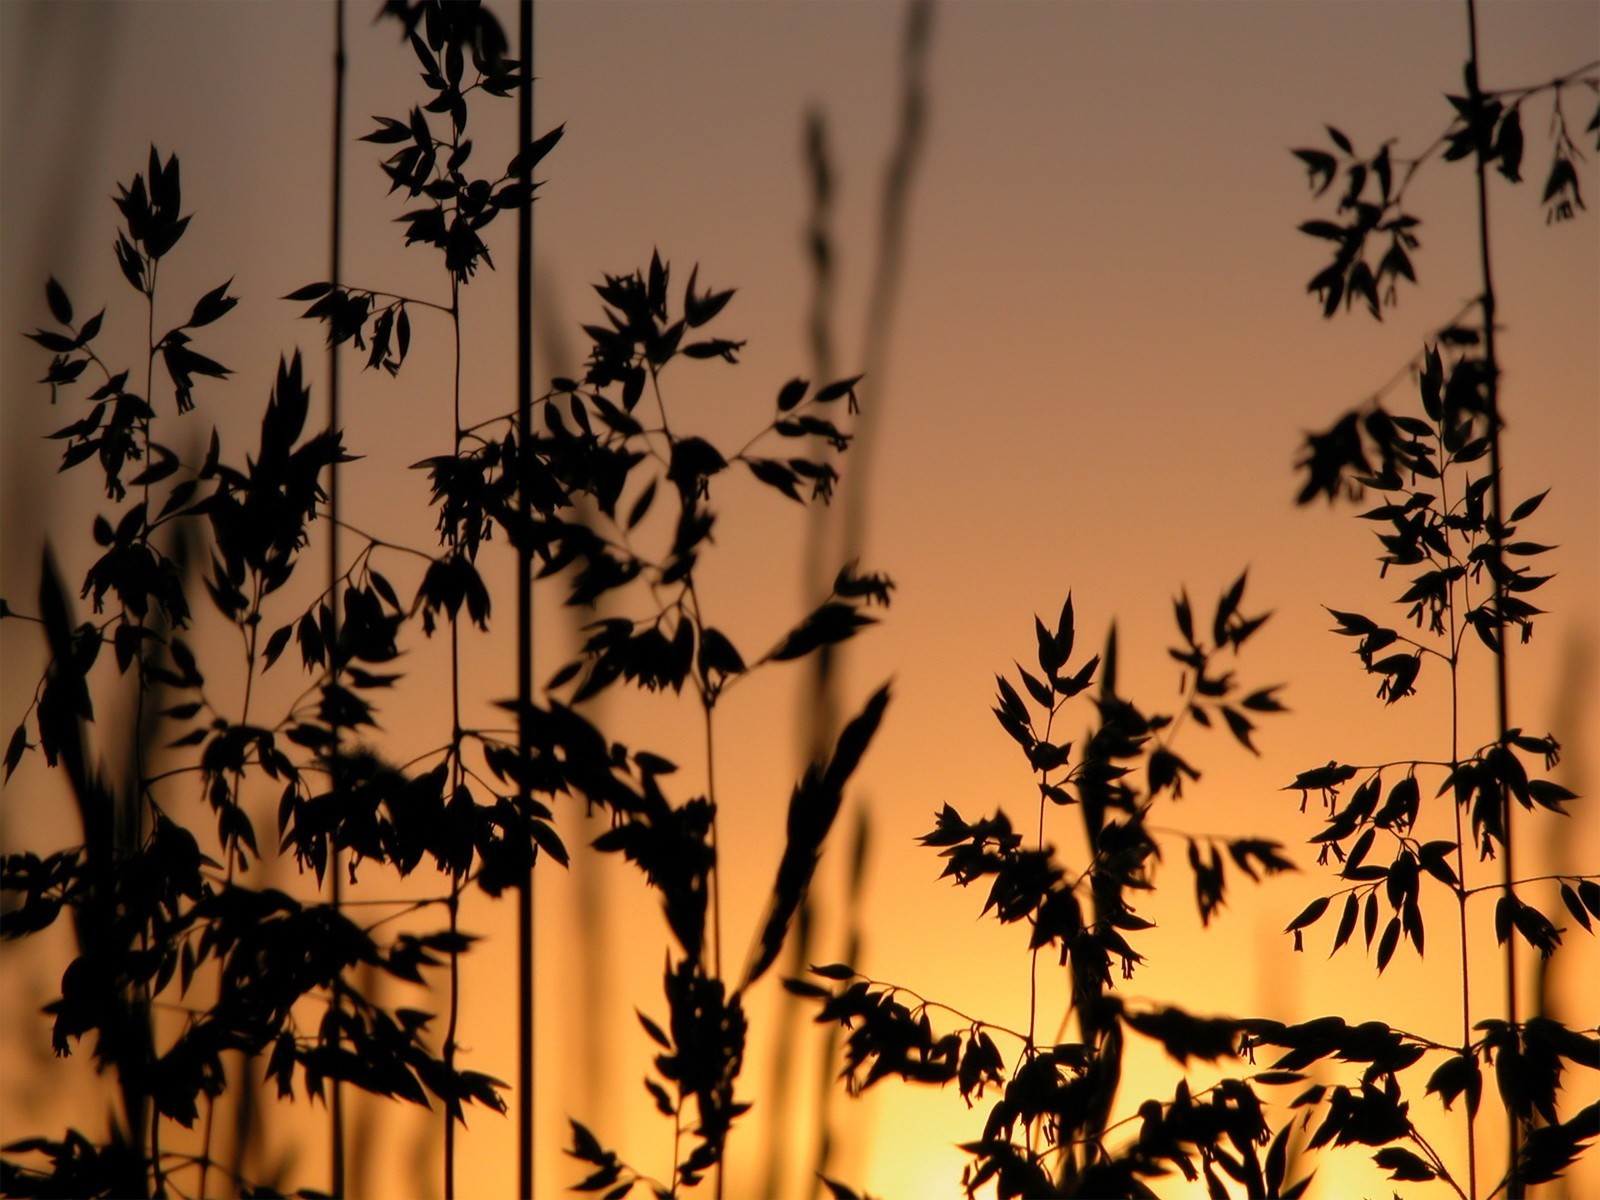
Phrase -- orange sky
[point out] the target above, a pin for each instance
(1102, 365)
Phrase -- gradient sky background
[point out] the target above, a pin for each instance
(1103, 363)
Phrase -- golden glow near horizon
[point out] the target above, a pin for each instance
(1102, 364)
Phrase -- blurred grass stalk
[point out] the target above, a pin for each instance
(835, 538)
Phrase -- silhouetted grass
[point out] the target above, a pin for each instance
(603, 490)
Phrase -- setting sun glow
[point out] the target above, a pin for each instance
(1057, 255)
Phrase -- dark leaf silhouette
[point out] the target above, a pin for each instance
(813, 808)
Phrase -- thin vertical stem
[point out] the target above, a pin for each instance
(1514, 1189)
(818, 720)
(146, 1052)
(893, 228)
(716, 867)
(457, 782)
(716, 891)
(451, 1028)
(525, 909)
(335, 273)
(821, 714)
(1466, 1001)
(894, 222)
(1461, 855)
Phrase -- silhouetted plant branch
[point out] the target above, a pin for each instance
(649, 463)
(1453, 542)
(1047, 1134)
(336, 1101)
(268, 949)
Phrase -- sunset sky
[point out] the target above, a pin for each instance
(1102, 364)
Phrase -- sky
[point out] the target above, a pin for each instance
(1101, 366)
